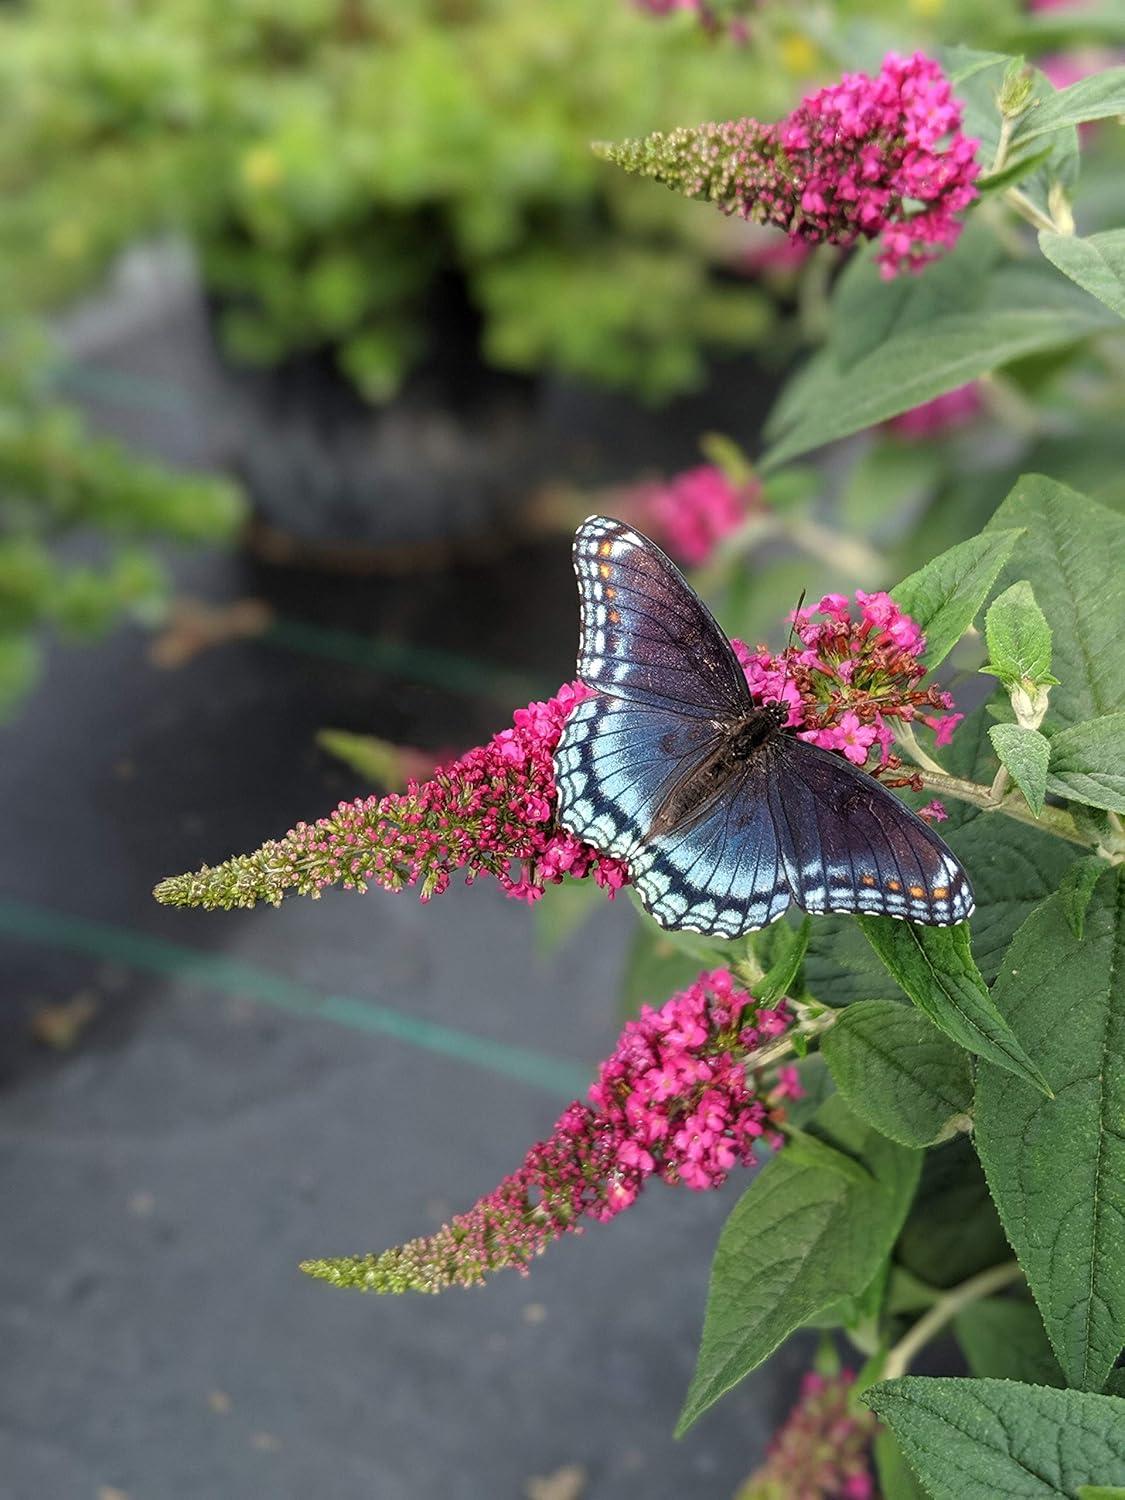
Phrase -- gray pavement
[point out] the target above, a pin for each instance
(215, 1122)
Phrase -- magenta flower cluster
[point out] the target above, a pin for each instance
(943, 414)
(880, 157)
(823, 1450)
(847, 680)
(692, 512)
(675, 1100)
(490, 812)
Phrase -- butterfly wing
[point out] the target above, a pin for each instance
(614, 764)
(803, 825)
(726, 874)
(646, 636)
(849, 845)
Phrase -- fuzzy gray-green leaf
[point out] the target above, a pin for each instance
(943, 597)
(1025, 754)
(898, 1072)
(1088, 763)
(800, 1238)
(935, 966)
(1056, 1167)
(1001, 1440)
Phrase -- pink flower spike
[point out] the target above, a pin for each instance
(687, 1112)
(866, 157)
(934, 812)
(822, 1451)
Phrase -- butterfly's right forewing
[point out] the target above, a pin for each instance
(645, 635)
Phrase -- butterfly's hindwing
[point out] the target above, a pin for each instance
(725, 875)
(645, 635)
(614, 764)
(849, 845)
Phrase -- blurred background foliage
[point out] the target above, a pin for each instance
(370, 187)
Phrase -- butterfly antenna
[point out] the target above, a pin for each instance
(789, 642)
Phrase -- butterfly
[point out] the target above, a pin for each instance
(722, 816)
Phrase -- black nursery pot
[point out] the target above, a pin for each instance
(446, 462)
(454, 459)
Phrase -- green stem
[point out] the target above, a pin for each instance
(1052, 819)
(901, 1356)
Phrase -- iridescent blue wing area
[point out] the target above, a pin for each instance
(645, 634)
(801, 825)
(614, 764)
(850, 845)
(724, 875)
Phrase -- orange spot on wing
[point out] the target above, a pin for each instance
(610, 592)
(917, 891)
(940, 892)
(894, 885)
(614, 617)
(605, 548)
(605, 570)
(867, 879)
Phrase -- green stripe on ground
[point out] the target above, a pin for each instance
(232, 976)
(443, 669)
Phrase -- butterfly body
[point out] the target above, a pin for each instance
(738, 742)
(723, 816)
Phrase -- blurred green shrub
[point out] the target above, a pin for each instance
(79, 517)
(336, 161)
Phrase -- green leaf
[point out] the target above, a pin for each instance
(789, 954)
(898, 1072)
(867, 309)
(1088, 763)
(998, 1440)
(1096, 263)
(935, 966)
(798, 1240)
(840, 967)
(1073, 554)
(943, 597)
(897, 1480)
(1101, 1492)
(1099, 97)
(1024, 753)
(1076, 889)
(1014, 172)
(953, 1230)
(1021, 313)
(1014, 865)
(1004, 1337)
(1018, 637)
(1056, 1168)
(810, 1149)
(817, 1086)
